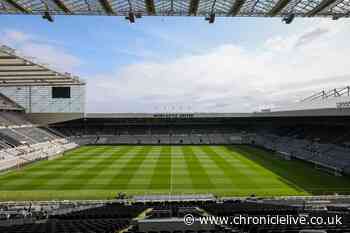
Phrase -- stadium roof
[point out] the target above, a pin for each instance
(322, 112)
(17, 70)
(263, 8)
(325, 94)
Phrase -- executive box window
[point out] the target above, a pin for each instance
(60, 92)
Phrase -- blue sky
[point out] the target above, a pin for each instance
(185, 64)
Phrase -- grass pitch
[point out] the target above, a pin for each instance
(100, 172)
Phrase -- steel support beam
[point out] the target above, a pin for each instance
(150, 7)
(62, 6)
(19, 71)
(19, 7)
(280, 5)
(323, 5)
(193, 7)
(38, 84)
(32, 77)
(107, 7)
(14, 64)
(236, 7)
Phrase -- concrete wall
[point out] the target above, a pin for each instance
(38, 99)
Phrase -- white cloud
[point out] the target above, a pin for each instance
(44, 50)
(53, 56)
(13, 36)
(229, 77)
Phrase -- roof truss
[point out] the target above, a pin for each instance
(107, 7)
(62, 6)
(17, 6)
(263, 8)
(16, 70)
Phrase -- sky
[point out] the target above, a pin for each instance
(184, 64)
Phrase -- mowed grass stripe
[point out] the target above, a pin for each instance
(69, 160)
(81, 179)
(180, 177)
(106, 177)
(258, 180)
(199, 177)
(80, 150)
(162, 172)
(230, 172)
(235, 166)
(216, 175)
(121, 180)
(65, 180)
(99, 172)
(297, 173)
(112, 181)
(143, 175)
(102, 175)
(27, 179)
(266, 179)
(74, 177)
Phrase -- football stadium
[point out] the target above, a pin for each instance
(65, 169)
